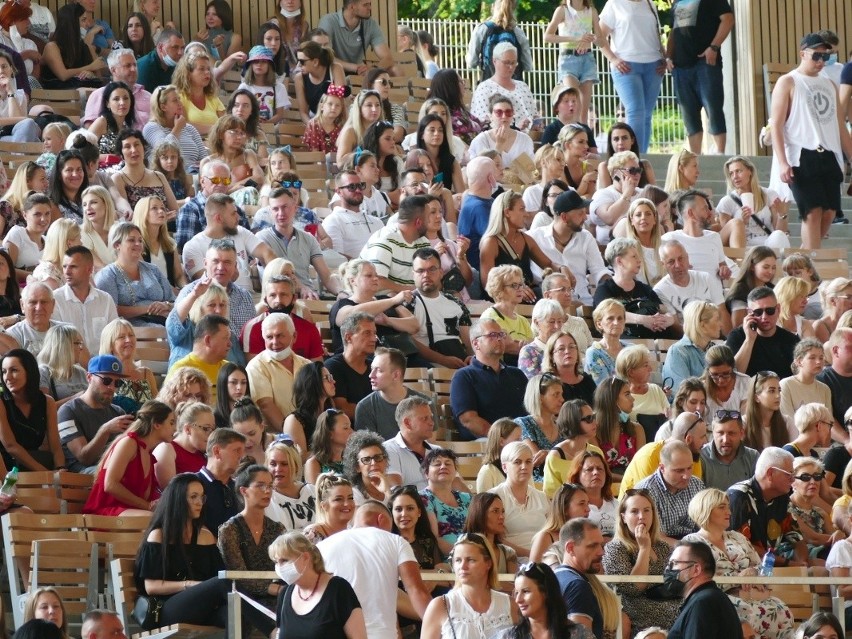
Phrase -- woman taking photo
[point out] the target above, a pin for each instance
(232, 384)
(197, 90)
(609, 317)
(186, 452)
(328, 443)
(474, 601)
(803, 387)
(547, 318)
(792, 295)
(433, 136)
(562, 360)
(68, 61)
(67, 184)
(293, 501)
(542, 400)
(365, 110)
(580, 174)
(509, 142)
(141, 292)
(770, 617)
(62, 363)
(134, 181)
(487, 517)
(125, 482)
(335, 507)
(503, 431)
(168, 122)
(618, 437)
(639, 549)
(98, 217)
(139, 384)
(447, 508)
(319, 71)
(244, 539)
(29, 432)
(764, 423)
(313, 389)
(568, 502)
(326, 605)
(577, 429)
(412, 524)
(642, 224)
(702, 324)
(448, 86)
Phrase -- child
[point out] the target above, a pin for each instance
(322, 131)
(53, 141)
(261, 79)
(167, 160)
(281, 160)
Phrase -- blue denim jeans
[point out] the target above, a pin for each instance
(701, 86)
(639, 90)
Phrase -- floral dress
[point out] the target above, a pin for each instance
(770, 617)
(450, 518)
(618, 456)
(814, 518)
(531, 357)
(130, 394)
(532, 431)
(466, 126)
(599, 363)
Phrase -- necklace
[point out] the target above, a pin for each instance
(136, 182)
(316, 584)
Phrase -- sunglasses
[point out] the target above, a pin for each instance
(471, 538)
(107, 381)
(529, 568)
(819, 56)
(385, 82)
(758, 312)
(633, 170)
(353, 188)
(296, 184)
(546, 380)
(504, 113)
(588, 419)
(220, 180)
(806, 477)
(282, 438)
(724, 414)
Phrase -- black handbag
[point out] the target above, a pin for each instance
(453, 280)
(146, 611)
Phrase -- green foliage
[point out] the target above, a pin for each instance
(666, 124)
(528, 10)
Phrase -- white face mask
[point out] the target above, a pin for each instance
(280, 356)
(291, 14)
(83, 31)
(288, 573)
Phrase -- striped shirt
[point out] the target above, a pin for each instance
(192, 148)
(392, 255)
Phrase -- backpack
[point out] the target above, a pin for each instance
(494, 35)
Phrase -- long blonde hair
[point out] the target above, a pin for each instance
(674, 178)
(109, 205)
(56, 240)
(503, 13)
(140, 219)
(655, 238)
(58, 352)
(754, 184)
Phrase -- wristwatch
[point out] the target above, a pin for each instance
(716, 48)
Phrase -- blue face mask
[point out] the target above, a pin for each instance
(623, 417)
(832, 59)
(169, 61)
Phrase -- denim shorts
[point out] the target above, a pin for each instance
(701, 86)
(583, 67)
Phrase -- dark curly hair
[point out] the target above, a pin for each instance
(357, 442)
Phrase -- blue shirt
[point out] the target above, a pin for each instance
(579, 597)
(492, 394)
(683, 360)
(191, 220)
(473, 220)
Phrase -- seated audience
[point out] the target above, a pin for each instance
(506, 286)
(412, 524)
(313, 393)
(838, 377)
(293, 503)
(510, 142)
(233, 386)
(682, 285)
(811, 517)
(539, 431)
(328, 442)
(650, 403)
(186, 451)
(592, 473)
(38, 306)
(151, 217)
(206, 298)
(61, 363)
(609, 318)
(726, 459)
(756, 269)
(69, 61)
(365, 465)
(501, 432)
(62, 235)
(210, 345)
(196, 86)
(577, 428)
(547, 318)
(568, 502)
(168, 123)
(138, 384)
(188, 384)
(225, 449)
(690, 397)
(135, 181)
(611, 203)
(347, 227)
(486, 517)
(765, 425)
(792, 294)
(350, 368)
(685, 358)
(335, 507)
(836, 296)
(25, 244)
(762, 212)
(505, 57)
(45, 605)
(618, 437)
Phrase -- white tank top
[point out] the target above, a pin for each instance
(813, 118)
(469, 624)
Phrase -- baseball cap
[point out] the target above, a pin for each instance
(813, 40)
(569, 201)
(106, 365)
(558, 91)
(260, 52)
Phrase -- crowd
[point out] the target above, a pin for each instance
(265, 448)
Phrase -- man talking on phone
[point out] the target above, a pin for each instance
(760, 344)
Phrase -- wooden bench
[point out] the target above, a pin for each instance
(71, 568)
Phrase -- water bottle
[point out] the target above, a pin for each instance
(768, 563)
(8, 488)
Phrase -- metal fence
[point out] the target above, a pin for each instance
(452, 38)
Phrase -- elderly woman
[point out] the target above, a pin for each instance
(646, 315)
(836, 300)
(639, 549)
(610, 204)
(365, 465)
(446, 507)
(643, 225)
(562, 360)
(792, 295)
(803, 387)
(702, 323)
(510, 142)
(526, 506)
(810, 512)
(169, 123)
(505, 57)
(650, 404)
(139, 384)
(608, 317)
(726, 388)
(542, 400)
(141, 291)
(547, 318)
(735, 557)
(813, 421)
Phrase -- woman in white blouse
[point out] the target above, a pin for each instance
(501, 136)
(505, 61)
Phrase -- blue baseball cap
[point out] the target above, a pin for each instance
(106, 365)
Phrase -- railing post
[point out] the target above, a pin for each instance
(838, 607)
(235, 618)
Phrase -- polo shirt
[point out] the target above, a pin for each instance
(392, 255)
(644, 463)
(221, 503)
(377, 414)
(581, 255)
(150, 72)
(350, 45)
(579, 597)
(491, 393)
(768, 353)
(473, 220)
(308, 342)
(753, 516)
(211, 371)
(268, 379)
(718, 474)
(707, 613)
(88, 317)
(673, 507)
(301, 249)
(405, 462)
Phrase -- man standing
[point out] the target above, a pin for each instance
(707, 612)
(377, 411)
(352, 30)
(391, 249)
(294, 244)
(726, 459)
(225, 449)
(210, 346)
(443, 338)
(672, 487)
(681, 285)
(348, 227)
(122, 67)
(89, 422)
(487, 389)
(222, 222)
(694, 55)
(703, 246)
(759, 507)
(566, 241)
(155, 68)
(350, 368)
(809, 138)
(272, 373)
(760, 344)
(476, 205)
(407, 449)
(838, 377)
(583, 549)
(79, 303)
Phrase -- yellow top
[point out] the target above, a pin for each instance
(558, 470)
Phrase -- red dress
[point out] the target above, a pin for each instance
(316, 139)
(187, 462)
(100, 502)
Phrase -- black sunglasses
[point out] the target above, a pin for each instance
(633, 170)
(107, 381)
(819, 56)
(352, 188)
(758, 312)
(723, 414)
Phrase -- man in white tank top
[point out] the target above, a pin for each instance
(809, 138)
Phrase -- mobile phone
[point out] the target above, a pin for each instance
(438, 178)
(752, 326)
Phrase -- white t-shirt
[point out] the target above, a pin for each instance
(532, 199)
(705, 254)
(677, 297)
(523, 521)
(840, 556)
(349, 230)
(523, 145)
(245, 242)
(742, 384)
(369, 559)
(602, 199)
(270, 99)
(294, 513)
(755, 236)
(29, 253)
(635, 30)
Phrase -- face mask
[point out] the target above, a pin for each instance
(671, 583)
(623, 417)
(291, 14)
(832, 59)
(283, 309)
(288, 573)
(280, 356)
(169, 62)
(84, 31)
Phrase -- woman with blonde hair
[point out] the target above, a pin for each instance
(683, 171)
(186, 384)
(813, 421)
(840, 507)
(580, 173)
(139, 384)
(227, 142)
(186, 451)
(198, 91)
(549, 165)
(293, 500)
(642, 224)
(792, 295)
(765, 425)
(98, 217)
(62, 360)
(801, 266)
(609, 318)
(505, 285)
(650, 404)
(160, 249)
(836, 299)
(710, 509)
(29, 176)
(45, 603)
(803, 387)
(365, 110)
(569, 501)
(338, 611)
(501, 433)
(167, 122)
(809, 510)
(61, 235)
(702, 323)
(335, 507)
(542, 401)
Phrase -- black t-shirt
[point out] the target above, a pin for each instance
(841, 391)
(642, 300)
(835, 462)
(348, 383)
(326, 620)
(337, 337)
(769, 353)
(695, 25)
(707, 613)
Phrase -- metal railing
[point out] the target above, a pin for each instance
(452, 38)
